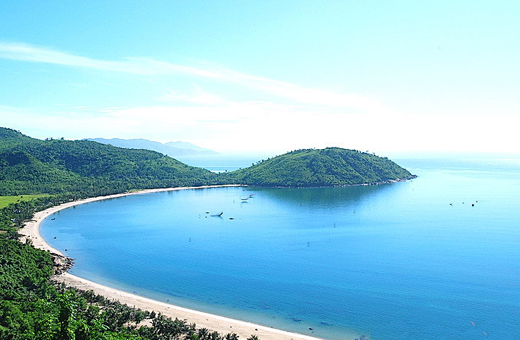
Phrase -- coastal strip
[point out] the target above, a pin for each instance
(212, 322)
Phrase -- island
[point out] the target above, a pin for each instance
(327, 167)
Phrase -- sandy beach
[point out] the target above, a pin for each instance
(212, 322)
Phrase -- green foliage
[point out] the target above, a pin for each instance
(320, 168)
(23, 271)
(32, 166)
(6, 200)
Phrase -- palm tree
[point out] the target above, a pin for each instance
(231, 336)
(203, 334)
(215, 336)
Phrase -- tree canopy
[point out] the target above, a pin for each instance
(32, 166)
(321, 168)
(52, 166)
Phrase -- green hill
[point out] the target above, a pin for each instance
(53, 166)
(321, 168)
(32, 166)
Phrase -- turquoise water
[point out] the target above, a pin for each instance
(437, 257)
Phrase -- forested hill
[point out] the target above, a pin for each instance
(321, 167)
(57, 166)
(30, 166)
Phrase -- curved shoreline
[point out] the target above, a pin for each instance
(213, 322)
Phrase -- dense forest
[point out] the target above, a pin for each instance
(321, 168)
(52, 166)
(57, 171)
(33, 166)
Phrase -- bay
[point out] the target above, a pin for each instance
(434, 257)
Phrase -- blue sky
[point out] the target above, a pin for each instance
(266, 76)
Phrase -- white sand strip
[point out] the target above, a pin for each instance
(212, 322)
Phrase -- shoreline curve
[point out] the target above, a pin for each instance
(221, 324)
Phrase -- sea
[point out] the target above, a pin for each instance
(436, 257)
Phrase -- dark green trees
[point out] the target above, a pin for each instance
(321, 168)
(29, 165)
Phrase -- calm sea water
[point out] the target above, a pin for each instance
(437, 257)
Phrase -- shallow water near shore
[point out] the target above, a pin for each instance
(435, 257)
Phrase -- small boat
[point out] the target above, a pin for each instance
(218, 215)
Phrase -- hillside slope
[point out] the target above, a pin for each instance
(29, 165)
(33, 166)
(323, 167)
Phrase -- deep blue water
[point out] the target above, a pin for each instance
(437, 257)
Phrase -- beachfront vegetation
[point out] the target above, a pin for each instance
(33, 307)
(320, 168)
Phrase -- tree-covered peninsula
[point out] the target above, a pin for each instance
(321, 168)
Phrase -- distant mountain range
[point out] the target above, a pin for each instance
(172, 149)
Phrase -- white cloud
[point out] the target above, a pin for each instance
(142, 66)
(199, 97)
(305, 95)
(151, 67)
(267, 127)
(223, 120)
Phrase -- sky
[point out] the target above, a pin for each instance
(266, 76)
